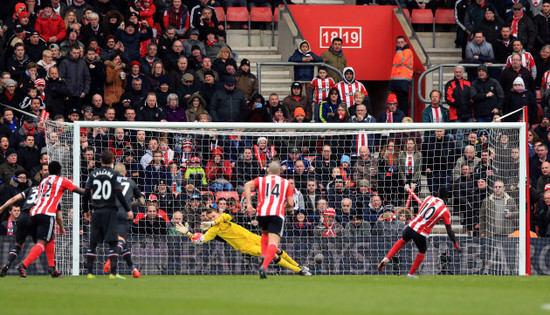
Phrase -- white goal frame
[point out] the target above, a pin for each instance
(524, 240)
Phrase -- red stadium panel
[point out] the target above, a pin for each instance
(220, 14)
(237, 14)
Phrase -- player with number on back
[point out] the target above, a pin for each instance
(432, 209)
(130, 190)
(43, 216)
(24, 226)
(273, 192)
(104, 188)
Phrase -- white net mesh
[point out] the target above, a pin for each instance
(359, 173)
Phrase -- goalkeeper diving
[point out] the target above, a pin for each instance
(241, 239)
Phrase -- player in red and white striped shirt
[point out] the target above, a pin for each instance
(45, 213)
(349, 86)
(320, 86)
(273, 192)
(432, 209)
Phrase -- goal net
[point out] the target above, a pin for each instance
(357, 170)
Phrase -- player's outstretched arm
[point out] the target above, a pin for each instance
(452, 236)
(79, 190)
(224, 217)
(410, 190)
(184, 229)
(11, 201)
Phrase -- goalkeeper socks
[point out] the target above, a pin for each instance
(14, 253)
(270, 253)
(265, 243)
(285, 256)
(396, 247)
(417, 261)
(35, 252)
(284, 263)
(50, 253)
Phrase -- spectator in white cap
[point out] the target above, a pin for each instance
(518, 98)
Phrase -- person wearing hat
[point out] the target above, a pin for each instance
(337, 192)
(10, 95)
(193, 40)
(246, 82)
(50, 25)
(219, 172)
(543, 127)
(186, 88)
(296, 99)
(518, 98)
(328, 226)
(194, 172)
(131, 37)
(490, 26)
(522, 26)
(35, 46)
(392, 114)
(487, 95)
(474, 15)
(10, 166)
(227, 104)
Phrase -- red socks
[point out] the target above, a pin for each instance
(265, 243)
(417, 261)
(33, 254)
(270, 253)
(50, 253)
(396, 247)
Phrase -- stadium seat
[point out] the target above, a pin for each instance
(262, 14)
(407, 14)
(220, 14)
(227, 195)
(252, 193)
(238, 14)
(424, 16)
(444, 16)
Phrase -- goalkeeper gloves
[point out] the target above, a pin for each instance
(207, 224)
(183, 229)
(197, 239)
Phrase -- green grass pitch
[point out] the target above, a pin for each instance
(276, 295)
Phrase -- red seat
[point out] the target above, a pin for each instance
(252, 193)
(445, 16)
(407, 14)
(220, 14)
(227, 194)
(237, 14)
(261, 14)
(422, 16)
(276, 14)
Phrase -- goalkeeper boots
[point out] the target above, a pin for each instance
(305, 272)
(90, 276)
(117, 276)
(107, 266)
(54, 273)
(303, 267)
(4, 270)
(262, 273)
(136, 273)
(22, 271)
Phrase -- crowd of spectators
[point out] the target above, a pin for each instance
(154, 61)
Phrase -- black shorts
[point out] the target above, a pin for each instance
(25, 227)
(419, 239)
(104, 226)
(124, 225)
(271, 224)
(45, 226)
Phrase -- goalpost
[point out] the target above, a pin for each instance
(482, 224)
